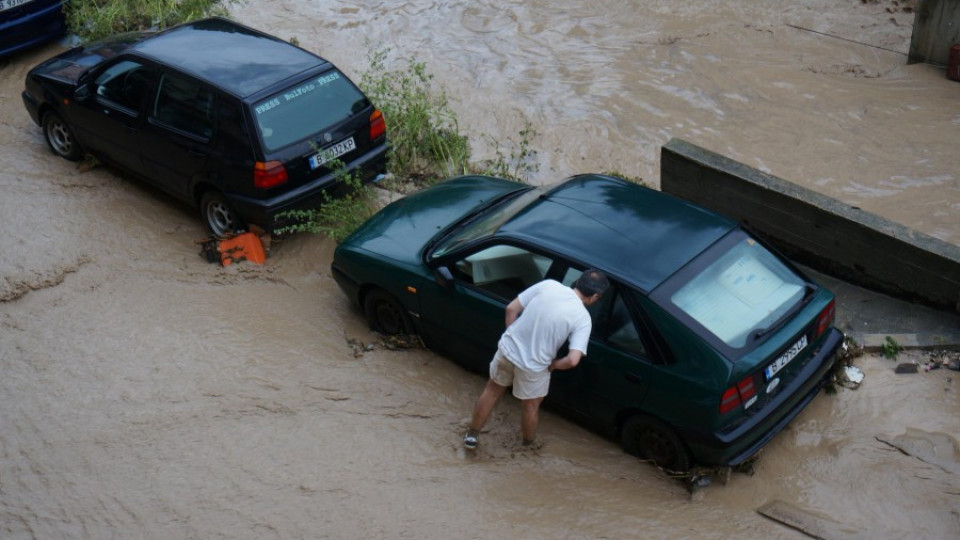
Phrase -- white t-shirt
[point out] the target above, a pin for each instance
(552, 313)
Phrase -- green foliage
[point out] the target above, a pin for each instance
(91, 20)
(424, 134)
(520, 163)
(337, 217)
(890, 348)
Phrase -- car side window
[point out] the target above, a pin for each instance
(184, 105)
(612, 321)
(503, 270)
(124, 85)
(620, 329)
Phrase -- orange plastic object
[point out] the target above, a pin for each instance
(243, 247)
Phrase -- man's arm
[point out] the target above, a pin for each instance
(569, 361)
(514, 309)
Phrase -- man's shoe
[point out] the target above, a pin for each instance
(471, 440)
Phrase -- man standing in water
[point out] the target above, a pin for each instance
(526, 353)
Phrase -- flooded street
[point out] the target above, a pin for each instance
(149, 394)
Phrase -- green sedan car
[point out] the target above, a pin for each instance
(706, 345)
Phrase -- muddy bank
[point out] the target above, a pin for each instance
(149, 394)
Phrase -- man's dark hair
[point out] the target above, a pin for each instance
(591, 282)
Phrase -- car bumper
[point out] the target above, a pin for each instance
(349, 287)
(740, 444)
(263, 212)
(32, 106)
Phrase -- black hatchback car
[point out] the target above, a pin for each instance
(237, 122)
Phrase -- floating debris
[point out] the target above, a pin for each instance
(945, 359)
(393, 343)
(851, 376)
(233, 248)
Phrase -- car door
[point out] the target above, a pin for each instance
(176, 139)
(108, 114)
(615, 374)
(466, 316)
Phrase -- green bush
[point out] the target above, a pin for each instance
(425, 139)
(91, 20)
(890, 348)
(337, 217)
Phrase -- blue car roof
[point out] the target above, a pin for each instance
(241, 60)
(635, 233)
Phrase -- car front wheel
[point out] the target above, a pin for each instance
(653, 440)
(217, 213)
(60, 137)
(385, 314)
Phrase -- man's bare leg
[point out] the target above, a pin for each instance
(481, 410)
(530, 419)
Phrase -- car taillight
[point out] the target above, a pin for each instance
(378, 126)
(825, 319)
(743, 392)
(269, 174)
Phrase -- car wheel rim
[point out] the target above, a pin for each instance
(60, 138)
(219, 217)
(388, 318)
(659, 448)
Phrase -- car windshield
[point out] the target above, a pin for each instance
(487, 221)
(741, 294)
(307, 108)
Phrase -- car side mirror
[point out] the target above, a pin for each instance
(443, 277)
(82, 93)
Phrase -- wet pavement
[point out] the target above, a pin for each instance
(869, 318)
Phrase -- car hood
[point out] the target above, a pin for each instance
(69, 66)
(402, 229)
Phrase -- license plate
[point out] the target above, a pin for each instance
(10, 4)
(786, 357)
(332, 152)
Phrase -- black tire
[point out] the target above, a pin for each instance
(218, 215)
(653, 440)
(60, 138)
(385, 314)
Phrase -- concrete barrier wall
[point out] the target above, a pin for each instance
(936, 28)
(816, 230)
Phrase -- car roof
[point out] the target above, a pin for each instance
(236, 58)
(637, 234)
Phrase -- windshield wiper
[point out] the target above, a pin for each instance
(808, 291)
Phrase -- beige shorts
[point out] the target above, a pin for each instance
(526, 384)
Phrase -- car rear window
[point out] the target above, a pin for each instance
(742, 292)
(306, 108)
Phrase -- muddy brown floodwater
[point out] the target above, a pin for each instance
(148, 394)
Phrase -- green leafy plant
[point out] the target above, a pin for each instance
(890, 348)
(424, 133)
(519, 163)
(336, 217)
(91, 20)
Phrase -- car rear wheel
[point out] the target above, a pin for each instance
(385, 313)
(217, 213)
(653, 440)
(60, 137)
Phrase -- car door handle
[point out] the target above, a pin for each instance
(633, 377)
(197, 153)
